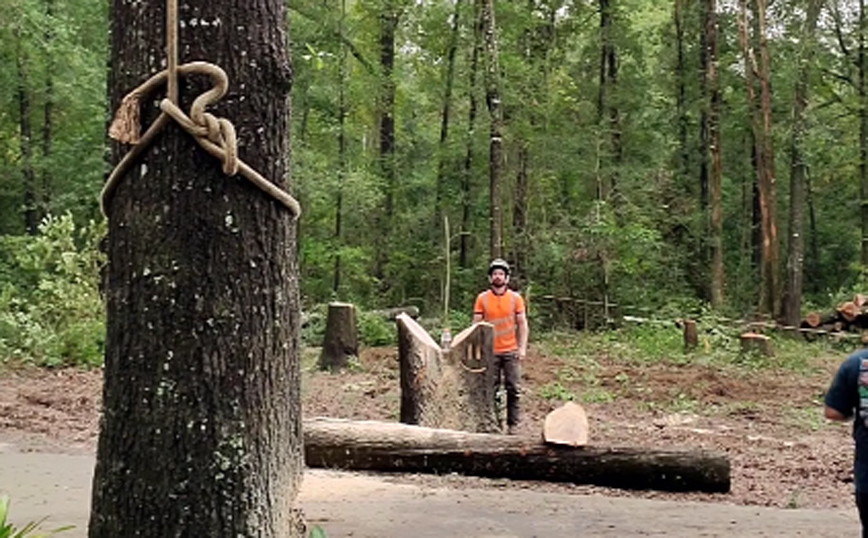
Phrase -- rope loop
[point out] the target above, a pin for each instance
(215, 135)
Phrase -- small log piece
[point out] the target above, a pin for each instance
(756, 343)
(566, 425)
(341, 340)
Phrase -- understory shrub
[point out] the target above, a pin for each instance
(51, 311)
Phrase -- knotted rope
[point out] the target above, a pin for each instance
(215, 135)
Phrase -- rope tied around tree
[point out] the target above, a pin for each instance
(215, 135)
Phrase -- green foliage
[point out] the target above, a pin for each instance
(317, 532)
(29, 530)
(51, 312)
(375, 330)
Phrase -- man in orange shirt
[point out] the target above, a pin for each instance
(505, 309)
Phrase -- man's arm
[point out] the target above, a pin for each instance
(834, 414)
(522, 328)
(842, 397)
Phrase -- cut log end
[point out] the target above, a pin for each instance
(566, 425)
(756, 343)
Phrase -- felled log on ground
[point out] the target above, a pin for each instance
(451, 388)
(392, 447)
(566, 425)
(341, 339)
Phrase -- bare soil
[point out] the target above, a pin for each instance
(768, 422)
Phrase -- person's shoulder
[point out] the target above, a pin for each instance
(855, 360)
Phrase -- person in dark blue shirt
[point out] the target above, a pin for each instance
(848, 398)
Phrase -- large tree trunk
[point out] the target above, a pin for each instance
(201, 427)
(792, 300)
(493, 99)
(389, 447)
(451, 388)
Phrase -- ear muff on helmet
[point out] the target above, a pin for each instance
(498, 263)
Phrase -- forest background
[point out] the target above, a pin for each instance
(681, 158)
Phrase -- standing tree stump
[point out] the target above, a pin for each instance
(757, 343)
(452, 388)
(341, 340)
(691, 337)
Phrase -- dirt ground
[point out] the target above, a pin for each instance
(769, 423)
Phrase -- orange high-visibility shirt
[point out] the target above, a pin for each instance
(500, 311)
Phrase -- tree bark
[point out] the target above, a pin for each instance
(493, 99)
(201, 427)
(388, 447)
(792, 300)
(341, 340)
(451, 388)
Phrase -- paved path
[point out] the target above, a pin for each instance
(57, 486)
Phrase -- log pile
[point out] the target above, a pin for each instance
(849, 316)
(391, 447)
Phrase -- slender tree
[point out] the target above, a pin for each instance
(792, 301)
(712, 159)
(493, 99)
(25, 135)
(386, 109)
(472, 110)
(201, 427)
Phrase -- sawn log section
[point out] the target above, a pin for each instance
(392, 447)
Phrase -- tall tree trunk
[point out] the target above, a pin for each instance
(713, 153)
(519, 213)
(388, 26)
(201, 427)
(467, 168)
(681, 78)
(863, 134)
(25, 133)
(48, 113)
(608, 113)
(792, 300)
(760, 73)
(770, 274)
(446, 109)
(495, 110)
(342, 152)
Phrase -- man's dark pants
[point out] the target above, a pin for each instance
(509, 364)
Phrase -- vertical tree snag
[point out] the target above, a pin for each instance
(452, 388)
(201, 426)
